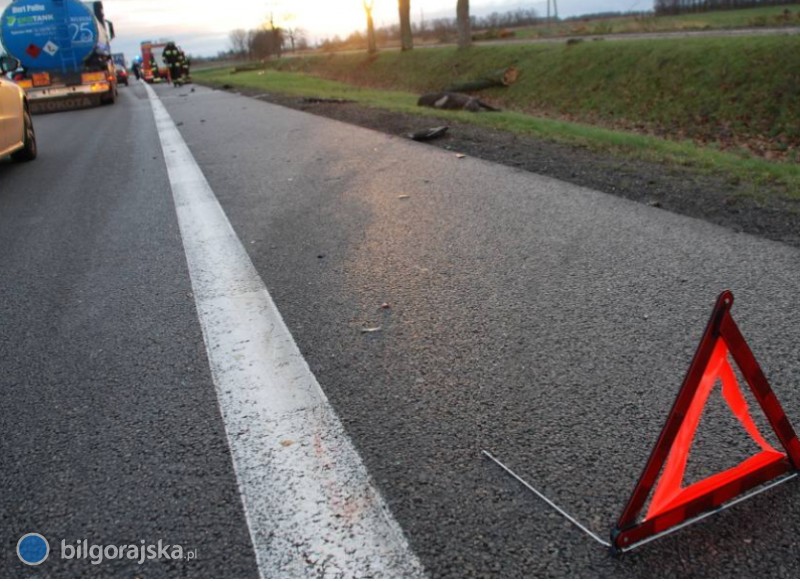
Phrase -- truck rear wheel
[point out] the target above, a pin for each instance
(29, 150)
(111, 97)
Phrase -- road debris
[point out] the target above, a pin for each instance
(371, 329)
(428, 134)
(454, 101)
(325, 100)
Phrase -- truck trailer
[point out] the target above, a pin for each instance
(64, 47)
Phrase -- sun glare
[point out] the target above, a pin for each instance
(317, 17)
(328, 17)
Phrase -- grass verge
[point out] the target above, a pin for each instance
(762, 16)
(737, 167)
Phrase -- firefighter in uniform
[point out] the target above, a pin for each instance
(183, 62)
(154, 67)
(172, 56)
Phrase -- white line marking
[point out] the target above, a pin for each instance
(311, 508)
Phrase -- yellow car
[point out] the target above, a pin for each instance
(17, 137)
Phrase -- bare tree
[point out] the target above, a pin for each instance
(302, 41)
(464, 25)
(291, 29)
(264, 43)
(238, 39)
(297, 38)
(251, 43)
(276, 36)
(406, 38)
(372, 45)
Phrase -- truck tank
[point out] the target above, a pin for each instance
(64, 49)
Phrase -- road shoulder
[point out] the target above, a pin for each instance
(761, 210)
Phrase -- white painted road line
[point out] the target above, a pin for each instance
(310, 505)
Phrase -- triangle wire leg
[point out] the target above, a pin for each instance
(595, 537)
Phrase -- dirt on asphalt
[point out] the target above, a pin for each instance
(765, 211)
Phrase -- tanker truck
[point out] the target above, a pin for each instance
(64, 50)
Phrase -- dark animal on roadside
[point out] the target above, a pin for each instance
(454, 101)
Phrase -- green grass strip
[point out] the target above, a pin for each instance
(737, 168)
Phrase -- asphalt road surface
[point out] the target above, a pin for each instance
(548, 324)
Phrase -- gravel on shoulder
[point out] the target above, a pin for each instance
(771, 213)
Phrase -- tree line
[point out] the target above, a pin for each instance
(264, 42)
(435, 29)
(271, 40)
(670, 7)
(463, 25)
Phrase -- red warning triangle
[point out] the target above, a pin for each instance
(672, 503)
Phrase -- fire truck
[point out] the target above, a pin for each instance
(154, 68)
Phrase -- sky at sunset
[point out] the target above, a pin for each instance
(202, 27)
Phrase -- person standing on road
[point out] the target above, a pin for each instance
(154, 68)
(172, 56)
(183, 67)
